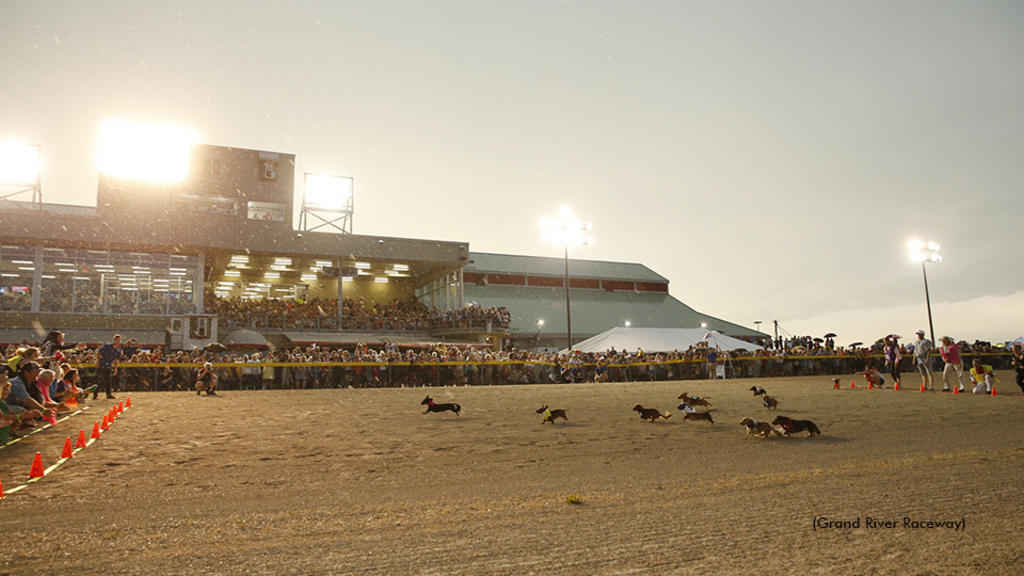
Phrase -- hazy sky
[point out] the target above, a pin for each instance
(772, 159)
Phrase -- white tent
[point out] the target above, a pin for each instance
(661, 340)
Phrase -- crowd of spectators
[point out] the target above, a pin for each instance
(357, 315)
(443, 364)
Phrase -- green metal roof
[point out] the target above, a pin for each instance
(484, 263)
(594, 311)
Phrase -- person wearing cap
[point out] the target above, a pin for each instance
(923, 358)
(24, 395)
(206, 381)
(951, 356)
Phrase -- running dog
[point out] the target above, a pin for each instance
(789, 425)
(694, 401)
(435, 407)
(550, 415)
(758, 391)
(651, 414)
(770, 403)
(755, 427)
(698, 416)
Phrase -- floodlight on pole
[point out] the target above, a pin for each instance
(567, 231)
(19, 171)
(328, 199)
(137, 151)
(924, 253)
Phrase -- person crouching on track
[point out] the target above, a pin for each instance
(206, 381)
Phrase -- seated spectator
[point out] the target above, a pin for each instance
(21, 356)
(66, 390)
(983, 377)
(43, 382)
(24, 394)
(10, 420)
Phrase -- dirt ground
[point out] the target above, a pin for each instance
(361, 482)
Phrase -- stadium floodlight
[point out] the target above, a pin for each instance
(566, 231)
(19, 164)
(159, 153)
(921, 252)
(328, 199)
(327, 192)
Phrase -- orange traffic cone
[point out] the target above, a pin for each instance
(922, 388)
(69, 450)
(1, 490)
(994, 391)
(956, 390)
(835, 383)
(37, 467)
(853, 384)
(81, 439)
(95, 430)
(128, 402)
(896, 387)
(120, 407)
(106, 425)
(871, 385)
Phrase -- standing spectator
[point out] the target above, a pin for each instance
(951, 356)
(109, 357)
(1018, 364)
(892, 357)
(712, 364)
(923, 358)
(983, 377)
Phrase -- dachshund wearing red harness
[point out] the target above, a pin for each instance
(435, 407)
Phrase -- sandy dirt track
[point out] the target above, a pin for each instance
(361, 482)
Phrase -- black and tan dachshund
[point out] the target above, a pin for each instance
(435, 407)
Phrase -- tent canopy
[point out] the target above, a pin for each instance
(661, 340)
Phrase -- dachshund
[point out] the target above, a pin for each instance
(770, 403)
(651, 414)
(758, 391)
(698, 416)
(755, 427)
(694, 401)
(550, 415)
(789, 425)
(435, 407)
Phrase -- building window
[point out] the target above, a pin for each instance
(214, 167)
(268, 170)
(266, 211)
(212, 204)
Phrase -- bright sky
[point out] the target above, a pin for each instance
(772, 159)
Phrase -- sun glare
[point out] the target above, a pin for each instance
(327, 192)
(19, 163)
(145, 151)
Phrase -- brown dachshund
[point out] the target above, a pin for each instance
(550, 415)
(651, 414)
(698, 416)
(694, 402)
(770, 403)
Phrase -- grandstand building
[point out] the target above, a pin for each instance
(147, 260)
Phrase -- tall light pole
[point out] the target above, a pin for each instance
(923, 253)
(567, 231)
